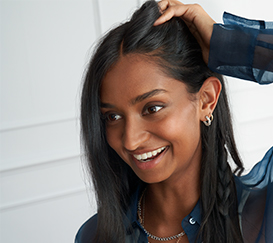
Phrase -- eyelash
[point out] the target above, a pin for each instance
(106, 117)
(157, 109)
(145, 112)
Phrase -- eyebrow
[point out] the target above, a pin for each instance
(138, 99)
(147, 95)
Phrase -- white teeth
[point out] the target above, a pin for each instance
(149, 154)
(144, 156)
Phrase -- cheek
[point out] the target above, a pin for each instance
(181, 127)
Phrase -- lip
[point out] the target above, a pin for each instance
(147, 150)
(149, 153)
(149, 164)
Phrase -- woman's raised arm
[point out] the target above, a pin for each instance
(240, 47)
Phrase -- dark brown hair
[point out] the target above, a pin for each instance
(175, 50)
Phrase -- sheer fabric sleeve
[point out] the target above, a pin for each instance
(256, 201)
(242, 48)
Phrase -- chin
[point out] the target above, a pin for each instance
(153, 178)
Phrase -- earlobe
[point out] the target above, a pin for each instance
(209, 120)
(209, 94)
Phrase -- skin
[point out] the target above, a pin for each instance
(198, 21)
(170, 117)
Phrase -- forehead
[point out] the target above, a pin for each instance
(132, 67)
(131, 75)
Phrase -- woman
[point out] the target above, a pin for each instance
(157, 133)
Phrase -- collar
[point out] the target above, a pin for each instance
(190, 223)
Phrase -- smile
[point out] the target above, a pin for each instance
(145, 157)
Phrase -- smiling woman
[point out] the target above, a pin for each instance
(157, 133)
(149, 112)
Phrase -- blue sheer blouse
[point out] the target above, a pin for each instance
(242, 48)
(255, 208)
(255, 197)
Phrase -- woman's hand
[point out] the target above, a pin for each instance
(198, 21)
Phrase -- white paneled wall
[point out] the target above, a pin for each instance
(45, 46)
(114, 12)
(44, 49)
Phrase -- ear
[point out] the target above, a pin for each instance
(209, 94)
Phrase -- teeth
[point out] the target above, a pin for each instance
(154, 153)
(149, 154)
(144, 156)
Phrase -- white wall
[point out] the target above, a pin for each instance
(44, 47)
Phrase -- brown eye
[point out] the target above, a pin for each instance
(152, 109)
(112, 117)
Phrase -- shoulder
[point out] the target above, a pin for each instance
(255, 200)
(87, 231)
(257, 184)
(261, 174)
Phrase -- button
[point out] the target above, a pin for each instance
(192, 221)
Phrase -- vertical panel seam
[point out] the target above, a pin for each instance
(97, 18)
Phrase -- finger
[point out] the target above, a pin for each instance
(167, 15)
(172, 9)
(163, 5)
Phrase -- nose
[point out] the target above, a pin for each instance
(135, 134)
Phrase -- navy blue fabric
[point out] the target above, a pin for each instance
(87, 231)
(255, 208)
(242, 48)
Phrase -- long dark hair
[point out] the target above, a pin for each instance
(173, 48)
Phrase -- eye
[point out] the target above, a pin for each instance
(111, 117)
(152, 109)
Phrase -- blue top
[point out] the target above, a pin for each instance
(242, 48)
(255, 208)
(247, 54)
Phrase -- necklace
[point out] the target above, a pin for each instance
(141, 221)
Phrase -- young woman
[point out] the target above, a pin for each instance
(157, 134)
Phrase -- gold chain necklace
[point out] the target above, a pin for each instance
(141, 221)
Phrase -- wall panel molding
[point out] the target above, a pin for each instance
(7, 127)
(39, 144)
(97, 18)
(34, 164)
(44, 198)
(28, 183)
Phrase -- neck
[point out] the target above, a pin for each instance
(168, 202)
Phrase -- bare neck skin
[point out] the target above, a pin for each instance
(168, 202)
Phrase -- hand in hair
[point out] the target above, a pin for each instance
(198, 21)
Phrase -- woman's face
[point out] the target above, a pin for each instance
(152, 122)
